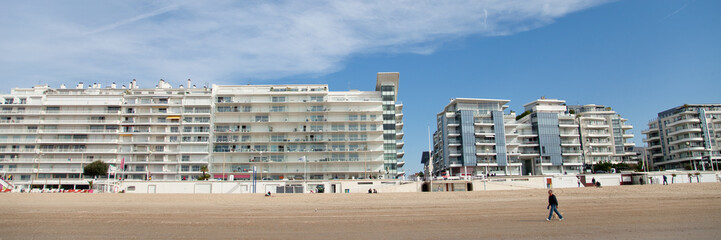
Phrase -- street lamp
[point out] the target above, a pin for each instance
(690, 155)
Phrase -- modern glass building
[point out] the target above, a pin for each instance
(479, 136)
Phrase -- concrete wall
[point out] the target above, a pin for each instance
(217, 187)
(362, 186)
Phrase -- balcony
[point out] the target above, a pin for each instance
(688, 120)
(686, 130)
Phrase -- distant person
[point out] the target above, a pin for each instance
(553, 206)
(665, 182)
(375, 191)
(370, 190)
(593, 180)
(267, 194)
(579, 181)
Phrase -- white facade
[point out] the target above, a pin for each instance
(684, 137)
(47, 135)
(477, 137)
(604, 135)
(550, 138)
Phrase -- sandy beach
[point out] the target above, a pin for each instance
(679, 211)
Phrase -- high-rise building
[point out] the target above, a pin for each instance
(550, 138)
(604, 134)
(685, 137)
(48, 135)
(478, 136)
(475, 137)
(307, 132)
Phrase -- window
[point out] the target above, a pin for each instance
(277, 138)
(278, 99)
(184, 168)
(261, 118)
(387, 88)
(316, 98)
(224, 99)
(316, 128)
(338, 147)
(277, 109)
(223, 109)
(338, 127)
(8, 101)
(338, 137)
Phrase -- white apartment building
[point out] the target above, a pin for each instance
(604, 135)
(307, 132)
(47, 135)
(550, 138)
(476, 137)
(685, 137)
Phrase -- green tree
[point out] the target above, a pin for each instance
(97, 168)
(523, 115)
(602, 166)
(205, 175)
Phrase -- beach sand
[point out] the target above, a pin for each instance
(679, 211)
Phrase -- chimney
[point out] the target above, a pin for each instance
(80, 85)
(134, 84)
(194, 86)
(161, 84)
(62, 86)
(100, 85)
(188, 83)
(123, 87)
(181, 86)
(113, 86)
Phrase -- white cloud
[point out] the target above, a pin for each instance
(226, 42)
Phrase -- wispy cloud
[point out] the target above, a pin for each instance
(235, 40)
(685, 5)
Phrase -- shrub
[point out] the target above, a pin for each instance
(97, 168)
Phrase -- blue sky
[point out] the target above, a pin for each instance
(638, 57)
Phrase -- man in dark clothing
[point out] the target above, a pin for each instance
(553, 206)
(664, 180)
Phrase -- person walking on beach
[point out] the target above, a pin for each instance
(553, 206)
(664, 180)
